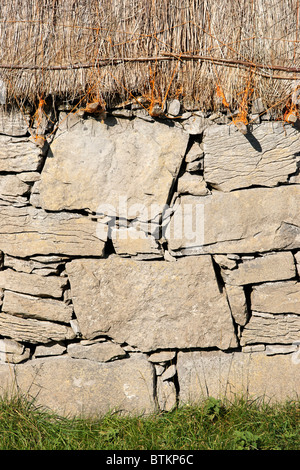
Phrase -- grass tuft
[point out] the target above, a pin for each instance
(210, 425)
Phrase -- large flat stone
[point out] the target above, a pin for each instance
(102, 167)
(33, 331)
(265, 157)
(13, 123)
(256, 220)
(29, 231)
(151, 304)
(255, 376)
(32, 284)
(78, 387)
(276, 297)
(268, 328)
(270, 267)
(29, 306)
(19, 154)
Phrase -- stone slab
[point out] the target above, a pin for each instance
(28, 231)
(265, 157)
(104, 167)
(256, 220)
(78, 387)
(268, 328)
(230, 375)
(269, 267)
(19, 155)
(151, 304)
(32, 284)
(29, 306)
(33, 331)
(276, 297)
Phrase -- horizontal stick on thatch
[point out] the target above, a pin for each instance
(164, 56)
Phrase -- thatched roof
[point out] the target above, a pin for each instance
(213, 53)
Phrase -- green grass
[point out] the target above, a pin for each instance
(212, 425)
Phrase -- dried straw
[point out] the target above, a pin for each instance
(117, 49)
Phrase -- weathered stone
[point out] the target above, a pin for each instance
(231, 375)
(19, 155)
(162, 356)
(76, 387)
(50, 349)
(101, 352)
(32, 283)
(28, 231)
(258, 106)
(225, 262)
(13, 123)
(36, 307)
(271, 267)
(192, 184)
(253, 348)
(11, 187)
(130, 241)
(13, 352)
(281, 349)
(261, 220)
(166, 395)
(112, 169)
(196, 124)
(33, 331)
(169, 373)
(238, 304)
(173, 107)
(29, 176)
(159, 306)
(271, 328)
(266, 157)
(277, 297)
(194, 153)
(31, 265)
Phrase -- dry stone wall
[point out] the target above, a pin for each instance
(149, 262)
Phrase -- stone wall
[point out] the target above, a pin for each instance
(149, 262)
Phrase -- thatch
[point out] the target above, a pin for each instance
(211, 53)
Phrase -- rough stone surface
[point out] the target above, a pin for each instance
(33, 331)
(271, 267)
(160, 305)
(265, 157)
(32, 284)
(102, 166)
(261, 220)
(166, 395)
(192, 184)
(77, 387)
(101, 352)
(277, 297)
(218, 374)
(19, 154)
(271, 328)
(13, 123)
(28, 231)
(238, 304)
(36, 307)
(130, 241)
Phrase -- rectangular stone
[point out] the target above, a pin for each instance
(269, 267)
(151, 304)
(33, 331)
(256, 220)
(32, 284)
(19, 155)
(35, 307)
(13, 122)
(120, 168)
(28, 231)
(264, 157)
(276, 297)
(268, 328)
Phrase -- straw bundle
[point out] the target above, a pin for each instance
(212, 53)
